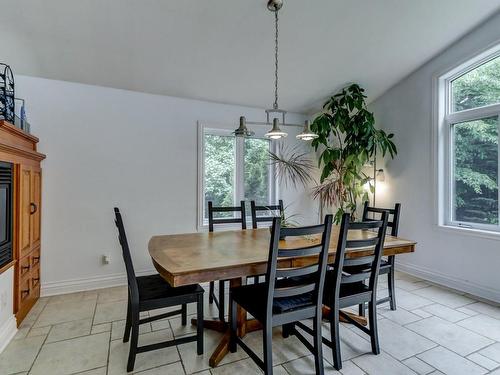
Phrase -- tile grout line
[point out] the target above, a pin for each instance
(177, 346)
(39, 350)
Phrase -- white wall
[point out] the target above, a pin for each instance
(453, 258)
(7, 319)
(108, 147)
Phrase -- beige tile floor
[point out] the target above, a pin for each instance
(434, 331)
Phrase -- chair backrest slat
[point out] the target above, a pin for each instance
(355, 244)
(354, 278)
(367, 266)
(214, 220)
(395, 212)
(129, 267)
(272, 211)
(302, 252)
(289, 281)
(359, 261)
(294, 272)
(294, 291)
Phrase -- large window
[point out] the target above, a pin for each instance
(471, 111)
(234, 169)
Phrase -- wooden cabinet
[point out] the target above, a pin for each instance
(20, 148)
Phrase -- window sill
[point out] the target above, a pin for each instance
(482, 233)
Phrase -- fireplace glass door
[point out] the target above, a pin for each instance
(5, 213)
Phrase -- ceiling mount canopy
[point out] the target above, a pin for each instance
(275, 112)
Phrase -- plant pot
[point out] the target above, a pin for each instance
(282, 237)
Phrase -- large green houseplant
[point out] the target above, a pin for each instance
(347, 141)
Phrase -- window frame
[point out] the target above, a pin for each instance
(239, 175)
(446, 119)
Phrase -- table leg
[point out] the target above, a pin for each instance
(243, 324)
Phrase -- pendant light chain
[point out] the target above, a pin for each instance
(276, 60)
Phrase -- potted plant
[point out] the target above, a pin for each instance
(347, 141)
(285, 221)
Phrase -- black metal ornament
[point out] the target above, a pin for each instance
(7, 103)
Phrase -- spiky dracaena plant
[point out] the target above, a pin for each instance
(347, 140)
(292, 165)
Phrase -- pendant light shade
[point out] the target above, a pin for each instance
(276, 132)
(242, 130)
(307, 134)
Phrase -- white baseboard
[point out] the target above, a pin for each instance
(474, 289)
(89, 283)
(7, 332)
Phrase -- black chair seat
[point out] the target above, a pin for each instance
(347, 293)
(253, 299)
(154, 287)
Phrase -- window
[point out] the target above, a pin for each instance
(233, 169)
(470, 99)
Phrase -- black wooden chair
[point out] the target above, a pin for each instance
(290, 294)
(347, 288)
(386, 266)
(220, 301)
(152, 292)
(271, 210)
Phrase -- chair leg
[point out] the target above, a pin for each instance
(134, 338)
(199, 325)
(391, 284)
(222, 302)
(233, 326)
(184, 314)
(268, 349)
(335, 338)
(318, 346)
(372, 311)
(128, 322)
(211, 293)
(361, 309)
(286, 330)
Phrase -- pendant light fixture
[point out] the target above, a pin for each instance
(275, 113)
(307, 134)
(242, 130)
(275, 132)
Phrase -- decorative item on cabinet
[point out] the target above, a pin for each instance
(7, 103)
(20, 149)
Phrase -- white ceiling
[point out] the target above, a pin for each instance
(222, 50)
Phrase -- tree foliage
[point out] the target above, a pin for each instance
(476, 146)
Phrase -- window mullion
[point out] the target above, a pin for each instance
(239, 170)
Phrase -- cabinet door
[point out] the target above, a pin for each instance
(24, 210)
(36, 198)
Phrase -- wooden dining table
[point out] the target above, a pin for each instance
(191, 258)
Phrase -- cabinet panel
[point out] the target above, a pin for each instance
(24, 210)
(36, 198)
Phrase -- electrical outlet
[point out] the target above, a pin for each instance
(106, 259)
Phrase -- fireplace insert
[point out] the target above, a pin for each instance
(5, 213)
